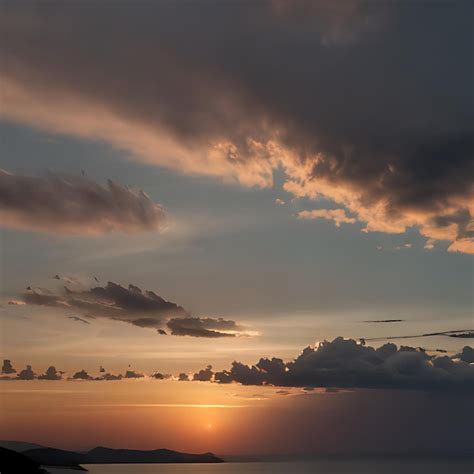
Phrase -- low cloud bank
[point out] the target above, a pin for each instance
(344, 363)
(339, 364)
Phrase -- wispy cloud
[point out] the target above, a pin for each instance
(75, 205)
(132, 305)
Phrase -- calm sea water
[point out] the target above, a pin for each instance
(346, 466)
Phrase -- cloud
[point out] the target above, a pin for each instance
(204, 327)
(182, 377)
(160, 376)
(337, 215)
(370, 111)
(131, 374)
(75, 205)
(7, 367)
(27, 373)
(383, 321)
(430, 244)
(144, 309)
(79, 320)
(343, 363)
(467, 355)
(204, 375)
(113, 301)
(81, 375)
(108, 376)
(463, 333)
(16, 303)
(51, 374)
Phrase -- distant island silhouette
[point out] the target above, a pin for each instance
(31, 456)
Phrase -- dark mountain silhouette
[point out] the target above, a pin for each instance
(57, 457)
(19, 446)
(12, 462)
(101, 455)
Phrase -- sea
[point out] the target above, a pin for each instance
(332, 466)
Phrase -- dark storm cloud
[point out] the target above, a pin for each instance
(144, 309)
(203, 327)
(75, 205)
(359, 102)
(343, 363)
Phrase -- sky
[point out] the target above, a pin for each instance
(259, 214)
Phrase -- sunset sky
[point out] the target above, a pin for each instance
(194, 184)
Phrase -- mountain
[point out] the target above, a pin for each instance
(12, 462)
(101, 455)
(19, 446)
(57, 457)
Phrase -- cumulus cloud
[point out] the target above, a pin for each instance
(349, 118)
(339, 216)
(27, 373)
(108, 376)
(132, 305)
(204, 375)
(343, 363)
(7, 367)
(131, 374)
(182, 377)
(75, 205)
(51, 374)
(82, 375)
(467, 355)
(160, 376)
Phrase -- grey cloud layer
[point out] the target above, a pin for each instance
(344, 363)
(203, 327)
(132, 305)
(359, 102)
(75, 205)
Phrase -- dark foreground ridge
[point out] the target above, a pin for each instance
(102, 455)
(57, 458)
(40, 455)
(12, 462)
